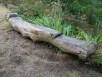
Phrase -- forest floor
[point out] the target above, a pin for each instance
(21, 57)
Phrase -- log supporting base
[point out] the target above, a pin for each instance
(81, 48)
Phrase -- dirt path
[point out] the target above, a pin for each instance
(20, 57)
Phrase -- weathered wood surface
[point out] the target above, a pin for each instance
(81, 48)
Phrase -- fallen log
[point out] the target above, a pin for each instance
(81, 48)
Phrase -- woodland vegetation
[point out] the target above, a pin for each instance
(81, 19)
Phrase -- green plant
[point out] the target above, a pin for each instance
(98, 12)
(97, 38)
(82, 35)
(53, 23)
(67, 30)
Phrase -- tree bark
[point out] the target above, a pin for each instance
(81, 48)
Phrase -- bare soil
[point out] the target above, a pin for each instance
(21, 57)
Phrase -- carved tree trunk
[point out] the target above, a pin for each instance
(81, 48)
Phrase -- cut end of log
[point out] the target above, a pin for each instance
(11, 15)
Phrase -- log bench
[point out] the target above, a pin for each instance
(83, 49)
